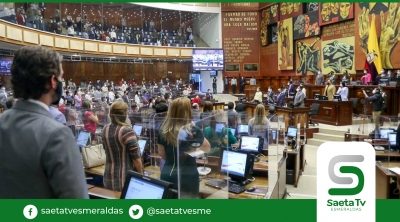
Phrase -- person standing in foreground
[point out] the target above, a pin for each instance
(48, 157)
(376, 106)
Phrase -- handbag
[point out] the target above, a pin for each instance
(93, 155)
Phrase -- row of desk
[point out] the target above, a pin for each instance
(384, 177)
(293, 160)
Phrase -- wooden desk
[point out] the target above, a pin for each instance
(393, 93)
(101, 193)
(383, 179)
(250, 91)
(219, 105)
(205, 191)
(291, 116)
(333, 113)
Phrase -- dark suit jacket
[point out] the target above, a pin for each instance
(46, 163)
(280, 100)
(291, 89)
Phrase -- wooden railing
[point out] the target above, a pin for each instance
(21, 35)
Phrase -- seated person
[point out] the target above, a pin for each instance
(225, 138)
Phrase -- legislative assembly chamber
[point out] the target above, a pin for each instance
(162, 100)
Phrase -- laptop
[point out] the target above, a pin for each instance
(83, 139)
(243, 129)
(138, 186)
(138, 129)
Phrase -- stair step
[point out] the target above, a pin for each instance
(332, 132)
(315, 142)
(328, 137)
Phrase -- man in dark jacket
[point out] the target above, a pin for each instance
(376, 106)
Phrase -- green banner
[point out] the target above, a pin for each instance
(177, 210)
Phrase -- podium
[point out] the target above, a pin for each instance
(250, 91)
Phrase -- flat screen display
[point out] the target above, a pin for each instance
(138, 130)
(208, 59)
(243, 129)
(292, 132)
(142, 145)
(141, 189)
(219, 127)
(392, 139)
(5, 65)
(213, 73)
(250, 143)
(234, 163)
(384, 133)
(233, 130)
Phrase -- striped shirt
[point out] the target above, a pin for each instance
(121, 148)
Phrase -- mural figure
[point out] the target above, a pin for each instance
(312, 6)
(389, 35)
(339, 55)
(285, 44)
(308, 57)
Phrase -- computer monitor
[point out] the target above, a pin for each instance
(323, 98)
(238, 165)
(384, 132)
(316, 96)
(138, 129)
(250, 144)
(138, 186)
(392, 139)
(337, 98)
(291, 94)
(219, 127)
(233, 131)
(83, 139)
(243, 129)
(142, 145)
(292, 132)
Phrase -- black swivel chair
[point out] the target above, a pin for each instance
(313, 112)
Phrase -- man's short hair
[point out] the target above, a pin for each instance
(10, 102)
(31, 70)
(230, 105)
(161, 108)
(271, 109)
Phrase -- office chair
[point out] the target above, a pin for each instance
(313, 112)
(355, 101)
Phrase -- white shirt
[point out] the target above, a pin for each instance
(111, 95)
(233, 82)
(252, 81)
(113, 35)
(137, 99)
(258, 96)
(304, 91)
(40, 103)
(71, 31)
(61, 102)
(87, 97)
